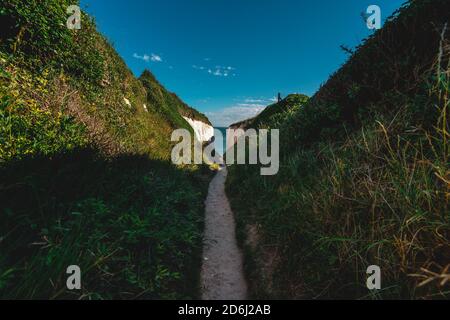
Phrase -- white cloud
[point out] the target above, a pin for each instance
(252, 105)
(204, 100)
(261, 100)
(230, 115)
(218, 71)
(156, 58)
(198, 67)
(145, 57)
(253, 100)
(152, 57)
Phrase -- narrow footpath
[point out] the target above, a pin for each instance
(222, 276)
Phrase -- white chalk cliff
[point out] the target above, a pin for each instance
(204, 132)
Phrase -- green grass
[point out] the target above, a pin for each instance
(85, 177)
(133, 225)
(275, 114)
(364, 175)
(169, 105)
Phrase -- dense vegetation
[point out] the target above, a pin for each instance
(275, 114)
(364, 177)
(84, 172)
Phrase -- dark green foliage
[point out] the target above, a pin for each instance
(38, 31)
(133, 226)
(364, 174)
(84, 171)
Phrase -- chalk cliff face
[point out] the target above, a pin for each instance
(204, 132)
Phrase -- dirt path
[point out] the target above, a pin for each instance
(222, 275)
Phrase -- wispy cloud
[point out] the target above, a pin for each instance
(152, 57)
(198, 67)
(260, 100)
(233, 114)
(253, 100)
(218, 71)
(252, 105)
(204, 100)
(156, 58)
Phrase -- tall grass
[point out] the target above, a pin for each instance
(363, 181)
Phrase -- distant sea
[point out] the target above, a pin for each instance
(220, 142)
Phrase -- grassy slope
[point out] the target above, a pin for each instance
(85, 177)
(364, 175)
(276, 113)
(168, 104)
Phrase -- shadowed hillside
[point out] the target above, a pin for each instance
(364, 176)
(85, 177)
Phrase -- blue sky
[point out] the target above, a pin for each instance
(229, 58)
